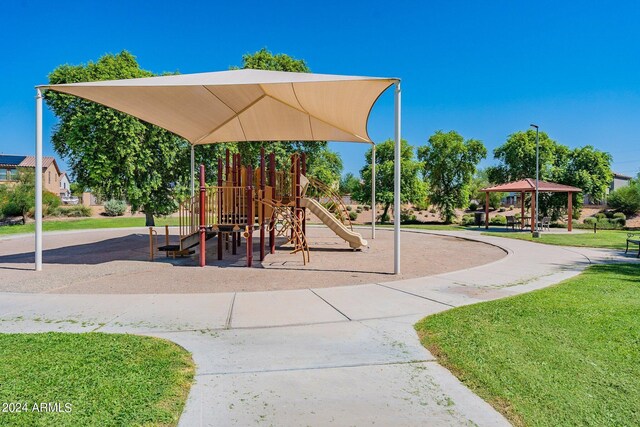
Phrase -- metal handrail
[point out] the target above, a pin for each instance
(333, 197)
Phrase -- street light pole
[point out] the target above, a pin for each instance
(536, 232)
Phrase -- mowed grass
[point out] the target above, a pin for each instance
(86, 223)
(108, 379)
(610, 239)
(562, 356)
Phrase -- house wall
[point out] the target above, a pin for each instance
(51, 180)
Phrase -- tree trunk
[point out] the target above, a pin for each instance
(150, 222)
(385, 213)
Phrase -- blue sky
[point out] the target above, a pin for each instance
(485, 69)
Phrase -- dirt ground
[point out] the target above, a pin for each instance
(117, 261)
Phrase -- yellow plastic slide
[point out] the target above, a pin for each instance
(355, 240)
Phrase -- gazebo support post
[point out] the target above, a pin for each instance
(522, 193)
(396, 181)
(570, 211)
(373, 192)
(38, 213)
(534, 220)
(486, 210)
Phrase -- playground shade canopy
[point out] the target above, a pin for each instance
(244, 105)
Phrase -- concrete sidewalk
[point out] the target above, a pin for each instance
(337, 356)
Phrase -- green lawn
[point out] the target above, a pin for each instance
(86, 223)
(612, 239)
(107, 379)
(561, 356)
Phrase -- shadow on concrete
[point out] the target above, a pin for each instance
(133, 247)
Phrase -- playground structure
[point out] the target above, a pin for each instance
(263, 200)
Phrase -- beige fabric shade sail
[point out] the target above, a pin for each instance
(244, 105)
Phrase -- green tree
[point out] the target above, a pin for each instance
(20, 198)
(449, 165)
(626, 199)
(481, 180)
(323, 164)
(412, 188)
(517, 157)
(349, 184)
(112, 153)
(583, 167)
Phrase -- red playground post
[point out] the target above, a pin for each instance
(272, 183)
(203, 238)
(261, 207)
(220, 195)
(250, 216)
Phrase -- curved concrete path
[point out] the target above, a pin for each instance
(332, 356)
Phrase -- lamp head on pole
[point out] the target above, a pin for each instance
(534, 126)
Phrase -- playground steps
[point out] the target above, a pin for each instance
(194, 239)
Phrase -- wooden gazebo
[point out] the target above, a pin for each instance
(528, 185)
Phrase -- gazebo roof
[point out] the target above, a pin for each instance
(529, 185)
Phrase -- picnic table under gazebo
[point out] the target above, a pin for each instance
(528, 185)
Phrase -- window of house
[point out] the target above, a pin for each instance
(4, 175)
(49, 177)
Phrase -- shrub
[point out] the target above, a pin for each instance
(359, 209)
(385, 218)
(353, 215)
(115, 207)
(50, 202)
(498, 220)
(511, 207)
(349, 208)
(619, 215)
(626, 199)
(366, 207)
(600, 216)
(72, 211)
(501, 210)
(620, 221)
(589, 220)
(422, 205)
(473, 206)
(468, 219)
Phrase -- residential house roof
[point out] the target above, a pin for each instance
(10, 160)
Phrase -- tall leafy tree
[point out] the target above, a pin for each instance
(112, 153)
(349, 184)
(583, 167)
(412, 188)
(517, 157)
(449, 165)
(323, 164)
